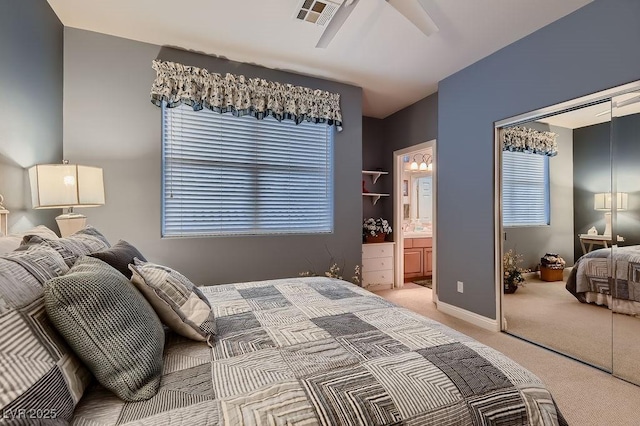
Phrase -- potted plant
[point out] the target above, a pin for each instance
(513, 274)
(375, 230)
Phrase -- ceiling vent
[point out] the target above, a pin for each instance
(319, 12)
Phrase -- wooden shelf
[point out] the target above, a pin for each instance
(375, 197)
(375, 174)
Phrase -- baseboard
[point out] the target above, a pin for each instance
(468, 316)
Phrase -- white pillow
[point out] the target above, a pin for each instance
(11, 242)
(41, 231)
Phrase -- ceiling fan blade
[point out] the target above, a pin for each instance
(336, 23)
(415, 12)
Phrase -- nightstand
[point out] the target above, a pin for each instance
(597, 240)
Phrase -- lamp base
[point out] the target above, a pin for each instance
(607, 221)
(70, 223)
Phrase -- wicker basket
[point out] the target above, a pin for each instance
(548, 274)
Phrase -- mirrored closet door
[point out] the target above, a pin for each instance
(554, 168)
(625, 294)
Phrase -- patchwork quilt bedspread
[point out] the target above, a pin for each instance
(314, 351)
(592, 273)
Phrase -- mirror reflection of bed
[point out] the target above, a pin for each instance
(585, 192)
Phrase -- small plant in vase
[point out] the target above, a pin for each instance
(375, 230)
(513, 274)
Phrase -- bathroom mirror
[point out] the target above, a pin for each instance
(421, 198)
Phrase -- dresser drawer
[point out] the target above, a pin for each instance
(422, 242)
(377, 250)
(377, 277)
(377, 264)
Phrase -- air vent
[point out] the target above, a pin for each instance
(319, 12)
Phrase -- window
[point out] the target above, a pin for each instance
(525, 189)
(226, 175)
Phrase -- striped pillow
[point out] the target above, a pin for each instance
(177, 301)
(83, 242)
(38, 371)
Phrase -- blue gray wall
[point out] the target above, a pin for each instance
(31, 85)
(592, 174)
(592, 49)
(374, 157)
(110, 122)
(410, 126)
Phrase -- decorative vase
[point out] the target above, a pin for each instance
(375, 239)
(510, 288)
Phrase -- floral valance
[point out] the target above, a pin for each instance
(176, 84)
(524, 139)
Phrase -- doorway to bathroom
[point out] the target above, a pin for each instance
(415, 215)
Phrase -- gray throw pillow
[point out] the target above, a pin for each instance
(110, 326)
(177, 301)
(119, 255)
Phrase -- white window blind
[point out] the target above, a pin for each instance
(525, 189)
(226, 175)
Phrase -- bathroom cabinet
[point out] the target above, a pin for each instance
(418, 258)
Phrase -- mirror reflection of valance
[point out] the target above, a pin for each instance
(177, 83)
(524, 139)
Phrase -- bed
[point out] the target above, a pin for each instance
(591, 279)
(296, 351)
(324, 351)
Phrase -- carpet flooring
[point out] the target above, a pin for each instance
(546, 313)
(586, 396)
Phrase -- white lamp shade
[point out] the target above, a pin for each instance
(55, 186)
(602, 201)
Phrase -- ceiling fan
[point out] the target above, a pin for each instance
(332, 14)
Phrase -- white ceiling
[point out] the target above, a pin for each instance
(626, 104)
(377, 48)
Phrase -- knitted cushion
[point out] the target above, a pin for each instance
(38, 371)
(178, 302)
(85, 241)
(120, 255)
(110, 325)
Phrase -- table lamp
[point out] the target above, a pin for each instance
(602, 202)
(66, 186)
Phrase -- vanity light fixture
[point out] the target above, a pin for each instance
(414, 164)
(426, 164)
